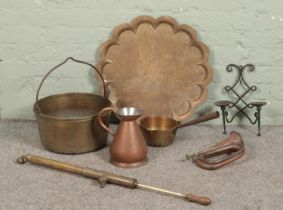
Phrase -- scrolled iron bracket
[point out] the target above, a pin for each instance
(239, 98)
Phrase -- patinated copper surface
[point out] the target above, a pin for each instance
(223, 153)
(128, 148)
(156, 65)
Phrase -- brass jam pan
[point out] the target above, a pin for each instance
(160, 131)
(68, 122)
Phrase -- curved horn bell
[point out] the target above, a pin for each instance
(220, 154)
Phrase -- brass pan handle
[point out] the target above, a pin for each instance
(100, 117)
(206, 117)
(62, 63)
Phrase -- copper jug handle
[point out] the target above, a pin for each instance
(62, 63)
(100, 118)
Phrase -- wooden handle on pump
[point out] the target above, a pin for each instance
(104, 177)
(198, 199)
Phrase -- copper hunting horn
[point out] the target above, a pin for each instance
(225, 152)
(104, 177)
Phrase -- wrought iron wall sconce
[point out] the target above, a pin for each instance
(239, 97)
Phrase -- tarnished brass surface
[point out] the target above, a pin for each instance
(68, 122)
(226, 151)
(157, 65)
(128, 148)
(73, 134)
(104, 177)
(160, 131)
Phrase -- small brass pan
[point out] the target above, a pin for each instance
(160, 131)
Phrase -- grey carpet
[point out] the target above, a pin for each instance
(254, 182)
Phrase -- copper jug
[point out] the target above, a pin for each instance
(128, 148)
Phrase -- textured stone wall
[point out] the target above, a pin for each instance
(35, 35)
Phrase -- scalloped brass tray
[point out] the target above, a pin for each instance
(156, 65)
